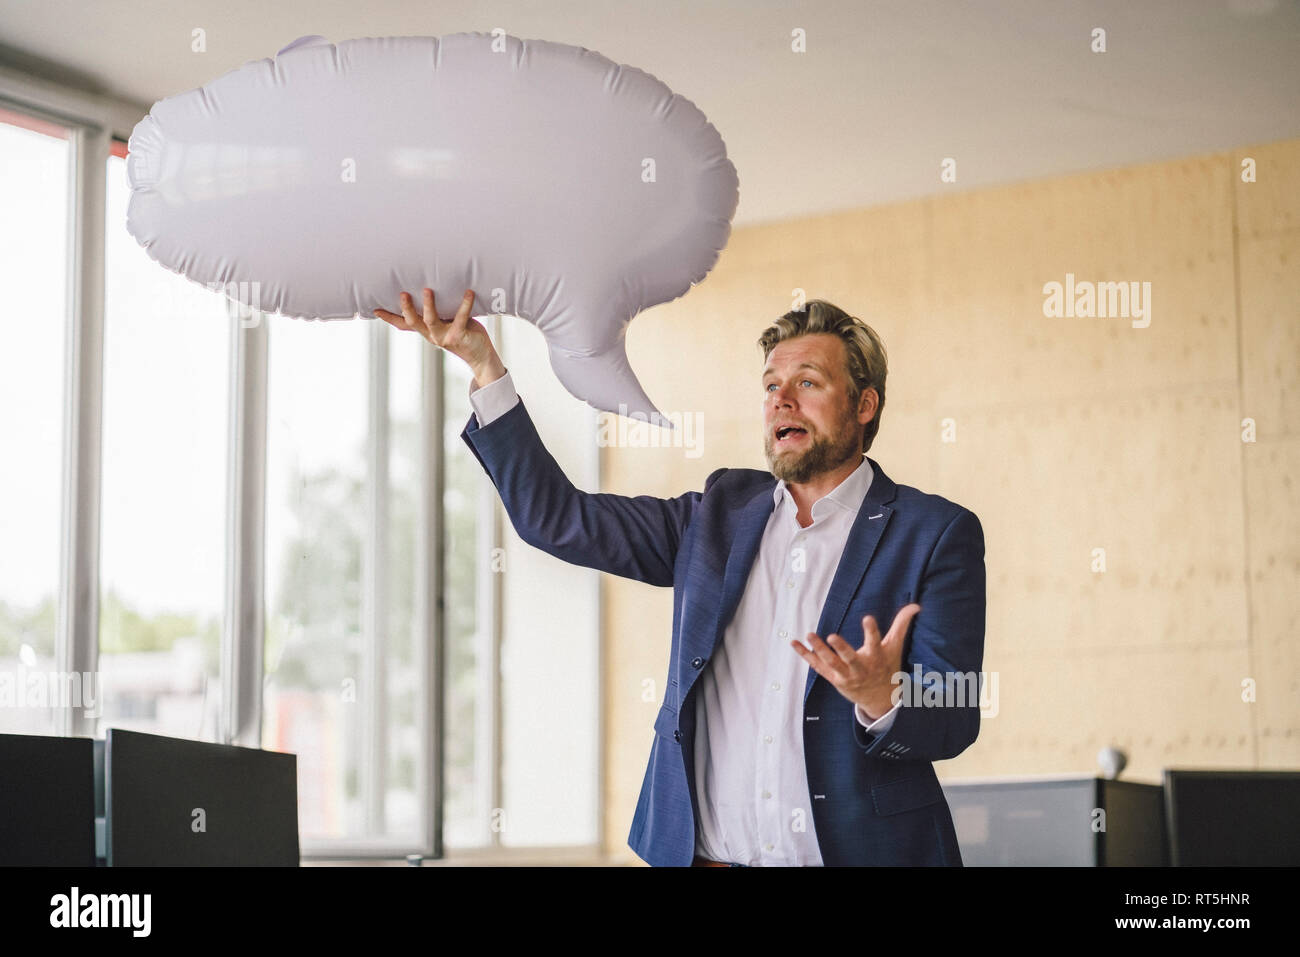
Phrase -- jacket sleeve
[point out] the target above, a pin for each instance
(939, 717)
(633, 537)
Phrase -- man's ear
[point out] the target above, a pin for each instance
(867, 404)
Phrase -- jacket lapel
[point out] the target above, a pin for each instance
(867, 528)
(740, 560)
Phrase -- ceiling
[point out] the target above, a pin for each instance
(884, 92)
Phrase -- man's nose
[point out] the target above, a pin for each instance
(784, 395)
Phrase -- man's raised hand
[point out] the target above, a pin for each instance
(464, 336)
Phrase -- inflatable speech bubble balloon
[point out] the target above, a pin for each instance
(561, 187)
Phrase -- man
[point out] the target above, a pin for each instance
(767, 751)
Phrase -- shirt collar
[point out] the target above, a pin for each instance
(848, 495)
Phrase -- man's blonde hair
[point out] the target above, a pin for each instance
(866, 358)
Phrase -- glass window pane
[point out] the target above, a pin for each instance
(34, 190)
(317, 524)
(315, 510)
(315, 700)
(407, 743)
(162, 548)
(467, 760)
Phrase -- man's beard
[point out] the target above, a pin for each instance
(822, 455)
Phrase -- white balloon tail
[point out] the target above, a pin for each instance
(607, 383)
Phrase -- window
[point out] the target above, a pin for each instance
(344, 688)
(119, 511)
(162, 531)
(35, 170)
(469, 746)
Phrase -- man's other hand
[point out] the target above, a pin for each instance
(866, 675)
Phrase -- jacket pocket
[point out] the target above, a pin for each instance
(906, 794)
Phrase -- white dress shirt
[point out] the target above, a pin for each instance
(750, 776)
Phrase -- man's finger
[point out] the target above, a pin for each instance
(461, 323)
(825, 653)
(901, 621)
(431, 320)
(814, 662)
(408, 313)
(870, 633)
(846, 651)
(397, 322)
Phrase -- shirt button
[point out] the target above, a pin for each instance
(767, 794)
(767, 738)
(790, 583)
(783, 634)
(776, 686)
(769, 846)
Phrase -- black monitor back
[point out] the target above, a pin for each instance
(47, 801)
(1233, 818)
(170, 801)
(1058, 822)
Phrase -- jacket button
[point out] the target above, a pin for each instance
(677, 735)
(697, 662)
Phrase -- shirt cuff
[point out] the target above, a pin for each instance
(881, 724)
(492, 400)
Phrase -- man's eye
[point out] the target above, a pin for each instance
(806, 380)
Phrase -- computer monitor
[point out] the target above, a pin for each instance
(1233, 818)
(1066, 821)
(169, 801)
(47, 801)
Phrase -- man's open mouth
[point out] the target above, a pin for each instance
(788, 434)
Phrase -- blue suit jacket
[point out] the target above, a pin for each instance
(874, 799)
